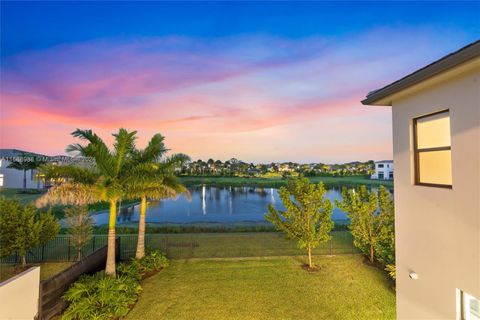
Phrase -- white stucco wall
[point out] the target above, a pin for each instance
(438, 230)
(19, 296)
(13, 178)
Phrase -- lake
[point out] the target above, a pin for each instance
(212, 204)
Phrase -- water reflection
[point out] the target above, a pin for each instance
(211, 204)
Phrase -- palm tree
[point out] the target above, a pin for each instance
(26, 162)
(100, 183)
(149, 177)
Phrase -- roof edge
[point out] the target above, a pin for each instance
(441, 65)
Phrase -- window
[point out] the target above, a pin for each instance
(470, 307)
(390, 175)
(380, 165)
(380, 176)
(432, 149)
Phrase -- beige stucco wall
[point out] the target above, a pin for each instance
(438, 230)
(19, 295)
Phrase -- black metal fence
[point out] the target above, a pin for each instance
(192, 245)
(59, 249)
(51, 290)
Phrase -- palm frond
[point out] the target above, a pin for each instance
(155, 149)
(124, 145)
(96, 149)
(70, 173)
(68, 193)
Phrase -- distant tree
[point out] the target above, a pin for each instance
(24, 163)
(308, 215)
(366, 223)
(80, 226)
(23, 228)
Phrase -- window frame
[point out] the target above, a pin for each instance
(417, 151)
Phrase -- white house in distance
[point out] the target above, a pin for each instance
(436, 149)
(13, 178)
(383, 170)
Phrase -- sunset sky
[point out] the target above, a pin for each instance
(257, 81)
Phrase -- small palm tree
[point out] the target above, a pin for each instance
(26, 162)
(149, 177)
(103, 182)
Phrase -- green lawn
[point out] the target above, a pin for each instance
(267, 288)
(47, 269)
(24, 198)
(231, 245)
(276, 182)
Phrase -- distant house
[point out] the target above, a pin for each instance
(383, 170)
(13, 178)
(436, 149)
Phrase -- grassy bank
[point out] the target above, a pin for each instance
(276, 182)
(31, 195)
(267, 288)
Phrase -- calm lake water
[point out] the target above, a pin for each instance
(211, 204)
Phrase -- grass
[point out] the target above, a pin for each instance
(47, 269)
(232, 245)
(267, 288)
(276, 182)
(24, 198)
(202, 245)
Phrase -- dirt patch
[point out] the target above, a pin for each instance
(312, 269)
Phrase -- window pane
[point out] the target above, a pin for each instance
(471, 307)
(435, 167)
(433, 131)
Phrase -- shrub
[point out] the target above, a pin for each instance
(131, 270)
(391, 270)
(23, 228)
(139, 268)
(101, 297)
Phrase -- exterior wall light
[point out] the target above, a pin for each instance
(413, 275)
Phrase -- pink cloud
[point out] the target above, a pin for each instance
(206, 91)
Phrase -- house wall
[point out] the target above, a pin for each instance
(19, 295)
(386, 170)
(438, 230)
(13, 178)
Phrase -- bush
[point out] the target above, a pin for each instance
(140, 268)
(105, 297)
(101, 297)
(23, 228)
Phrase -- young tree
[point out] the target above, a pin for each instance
(385, 248)
(308, 215)
(23, 228)
(366, 222)
(80, 227)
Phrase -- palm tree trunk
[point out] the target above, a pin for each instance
(141, 229)
(24, 179)
(110, 267)
(24, 261)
